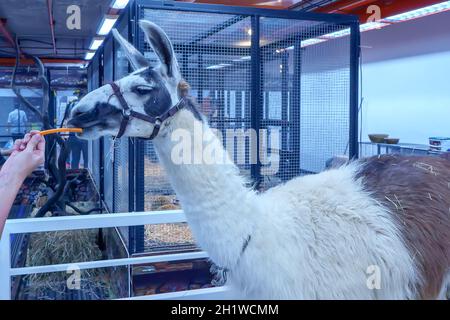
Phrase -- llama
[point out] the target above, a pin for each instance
(377, 228)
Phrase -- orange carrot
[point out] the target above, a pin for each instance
(51, 131)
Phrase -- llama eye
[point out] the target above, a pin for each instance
(143, 90)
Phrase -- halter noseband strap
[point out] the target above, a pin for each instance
(128, 113)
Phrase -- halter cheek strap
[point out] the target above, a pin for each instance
(128, 113)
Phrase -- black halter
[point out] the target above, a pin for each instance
(128, 113)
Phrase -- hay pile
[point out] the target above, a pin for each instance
(171, 234)
(65, 247)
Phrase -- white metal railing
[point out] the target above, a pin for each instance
(34, 225)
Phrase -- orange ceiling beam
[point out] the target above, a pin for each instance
(356, 7)
(345, 6)
(10, 62)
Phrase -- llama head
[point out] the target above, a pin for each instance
(148, 90)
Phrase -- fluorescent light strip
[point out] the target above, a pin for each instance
(245, 58)
(433, 9)
(426, 11)
(310, 42)
(89, 55)
(372, 26)
(119, 4)
(96, 43)
(107, 24)
(219, 66)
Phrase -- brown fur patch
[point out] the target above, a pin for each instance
(417, 192)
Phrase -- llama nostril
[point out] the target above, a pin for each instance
(74, 119)
(76, 113)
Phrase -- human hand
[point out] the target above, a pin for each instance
(28, 154)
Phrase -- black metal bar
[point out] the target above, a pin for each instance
(220, 103)
(217, 29)
(200, 85)
(138, 144)
(102, 139)
(295, 111)
(354, 89)
(310, 32)
(312, 6)
(284, 99)
(51, 115)
(209, 49)
(256, 98)
(238, 120)
(265, 115)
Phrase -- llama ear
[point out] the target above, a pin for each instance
(136, 58)
(162, 46)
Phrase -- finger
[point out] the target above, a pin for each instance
(33, 132)
(34, 142)
(17, 144)
(41, 144)
(26, 138)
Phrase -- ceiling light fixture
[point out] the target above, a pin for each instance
(96, 43)
(410, 15)
(89, 55)
(119, 4)
(419, 13)
(219, 66)
(107, 24)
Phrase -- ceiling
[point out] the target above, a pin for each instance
(269, 4)
(28, 20)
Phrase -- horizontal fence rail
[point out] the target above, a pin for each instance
(50, 224)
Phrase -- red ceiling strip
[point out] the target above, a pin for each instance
(9, 62)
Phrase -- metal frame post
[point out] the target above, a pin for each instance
(284, 99)
(295, 110)
(102, 139)
(139, 145)
(355, 39)
(256, 97)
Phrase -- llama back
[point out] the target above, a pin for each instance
(416, 190)
(337, 235)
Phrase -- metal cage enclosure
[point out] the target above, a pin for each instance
(290, 77)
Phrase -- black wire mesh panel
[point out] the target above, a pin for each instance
(94, 145)
(287, 82)
(121, 172)
(305, 104)
(120, 149)
(217, 66)
(221, 90)
(108, 156)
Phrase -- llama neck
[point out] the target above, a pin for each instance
(213, 195)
